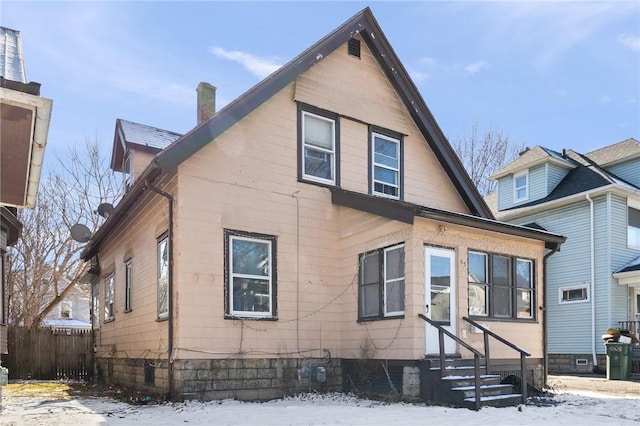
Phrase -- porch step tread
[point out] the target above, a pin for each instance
(482, 376)
(494, 397)
(498, 386)
(459, 367)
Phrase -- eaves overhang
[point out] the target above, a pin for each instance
(630, 278)
(406, 212)
(25, 118)
(566, 164)
(514, 213)
(117, 214)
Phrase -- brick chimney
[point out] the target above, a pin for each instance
(206, 101)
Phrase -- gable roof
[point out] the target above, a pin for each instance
(531, 158)
(616, 153)
(362, 23)
(139, 137)
(586, 173)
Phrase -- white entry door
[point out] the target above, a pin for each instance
(439, 291)
(636, 303)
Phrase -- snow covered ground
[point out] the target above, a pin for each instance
(566, 408)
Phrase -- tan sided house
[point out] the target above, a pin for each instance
(290, 241)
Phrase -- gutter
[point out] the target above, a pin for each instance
(592, 286)
(170, 354)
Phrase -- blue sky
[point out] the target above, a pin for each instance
(556, 74)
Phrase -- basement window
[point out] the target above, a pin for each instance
(573, 294)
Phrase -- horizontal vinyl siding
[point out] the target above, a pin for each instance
(629, 171)
(555, 174)
(621, 254)
(569, 325)
(505, 192)
(537, 183)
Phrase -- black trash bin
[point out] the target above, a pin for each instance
(618, 360)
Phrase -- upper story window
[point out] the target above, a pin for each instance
(633, 227)
(318, 146)
(385, 165)
(127, 171)
(521, 186)
(382, 283)
(250, 283)
(500, 286)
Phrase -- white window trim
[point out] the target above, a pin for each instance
(232, 275)
(631, 204)
(517, 199)
(163, 314)
(561, 290)
(109, 297)
(374, 165)
(332, 151)
(128, 278)
(384, 300)
(69, 303)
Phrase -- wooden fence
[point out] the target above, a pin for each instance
(49, 354)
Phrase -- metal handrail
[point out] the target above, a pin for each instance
(476, 357)
(486, 333)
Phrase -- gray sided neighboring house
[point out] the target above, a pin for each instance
(593, 283)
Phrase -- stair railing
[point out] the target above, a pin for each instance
(476, 357)
(523, 354)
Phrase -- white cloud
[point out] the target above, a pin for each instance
(418, 76)
(475, 67)
(260, 67)
(632, 42)
(605, 100)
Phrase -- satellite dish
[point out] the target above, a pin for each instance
(105, 209)
(80, 233)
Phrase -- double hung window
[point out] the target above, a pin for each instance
(318, 147)
(109, 284)
(382, 283)
(385, 165)
(633, 227)
(127, 285)
(250, 283)
(521, 186)
(163, 276)
(500, 286)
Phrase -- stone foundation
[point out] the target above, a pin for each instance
(575, 363)
(212, 379)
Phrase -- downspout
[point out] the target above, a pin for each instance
(545, 355)
(169, 285)
(592, 286)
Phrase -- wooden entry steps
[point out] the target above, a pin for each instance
(457, 386)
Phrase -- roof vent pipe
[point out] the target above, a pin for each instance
(206, 101)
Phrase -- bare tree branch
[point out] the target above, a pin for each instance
(484, 155)
(44, 266)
